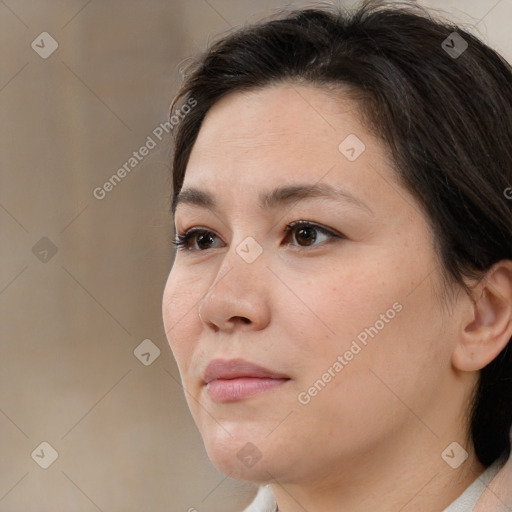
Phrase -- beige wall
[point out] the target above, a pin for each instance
(69, 325)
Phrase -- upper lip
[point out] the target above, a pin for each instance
(237, 368)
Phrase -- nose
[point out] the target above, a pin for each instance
(239, 297)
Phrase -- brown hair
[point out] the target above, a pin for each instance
(446, 119)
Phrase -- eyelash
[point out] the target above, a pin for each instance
(182, 242)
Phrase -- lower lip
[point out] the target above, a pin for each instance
(233, 390)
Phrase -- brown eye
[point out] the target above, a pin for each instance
(306, 234)
(195, 240)
(303, 234)
(204, 240)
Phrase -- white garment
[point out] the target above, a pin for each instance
(265, 501)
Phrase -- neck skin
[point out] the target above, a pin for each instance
(408, 475)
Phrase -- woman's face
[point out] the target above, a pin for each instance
(341, 312)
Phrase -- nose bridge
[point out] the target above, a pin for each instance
(242, 265)
(237, 288)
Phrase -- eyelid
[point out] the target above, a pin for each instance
(316, 225)
(183, 239)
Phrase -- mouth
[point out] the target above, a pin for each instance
(236, 379)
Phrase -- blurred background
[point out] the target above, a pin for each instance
(92, 414)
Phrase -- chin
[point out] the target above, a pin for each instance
(240, 455)
(242, 464)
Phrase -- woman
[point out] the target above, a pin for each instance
(340, 304)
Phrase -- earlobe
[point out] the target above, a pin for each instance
(486, 329)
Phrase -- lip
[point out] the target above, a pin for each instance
(237, 379)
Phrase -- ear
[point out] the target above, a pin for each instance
(486, 325)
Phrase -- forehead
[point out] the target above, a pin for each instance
(252, 142)
(276, 129)
(280, 114)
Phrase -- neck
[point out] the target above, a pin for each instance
(412, 477)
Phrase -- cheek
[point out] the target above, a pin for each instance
(179, 317)
(380, 318)
(348, 300)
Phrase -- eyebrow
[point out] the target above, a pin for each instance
(280, 196)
